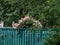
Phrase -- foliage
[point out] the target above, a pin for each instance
(54, 39)
(46, 11)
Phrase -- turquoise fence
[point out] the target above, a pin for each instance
(10, 36)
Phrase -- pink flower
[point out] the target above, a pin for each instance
(27, 17)
(20, 21)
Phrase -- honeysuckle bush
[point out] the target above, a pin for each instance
(29, 24)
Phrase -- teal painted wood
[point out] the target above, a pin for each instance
(10, 36)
